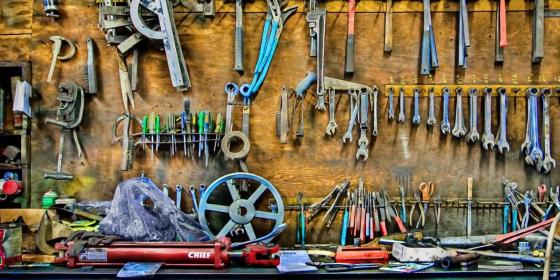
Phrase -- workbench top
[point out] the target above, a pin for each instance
(271, 273)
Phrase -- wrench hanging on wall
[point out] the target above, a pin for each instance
(350, 40)
(548, 162)
(429, 58)
(316, 19)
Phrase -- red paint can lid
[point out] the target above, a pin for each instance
(12, 187)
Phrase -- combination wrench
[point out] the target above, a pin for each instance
(354, 105)
(391, 110)
(459, 129)
(431, 108)
(373, 105)
(534, 153)
(401, 105)
(548, 162)
(416, 116)
(501, 136)
(363, 140)
(487, 136)
(473, 135)
(445, 126)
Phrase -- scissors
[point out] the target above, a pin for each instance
(555, 199)
(426, 190)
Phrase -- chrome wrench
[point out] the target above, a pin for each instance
(548, 162)
(354, 105)
(501, 136)
(416, 116)
(535, 153)
(445, 126)
(431, 108)
(488, 136)
(459, 129)
(473, 135)
(391, 111)
(179, 196)
(525, 146)
(401, 105)
(363, 141)
(373, 105)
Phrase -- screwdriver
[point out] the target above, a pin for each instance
(218, 130)
(171, 130)
(207, 129)
(183, 121)
(200, 132)
(144, 131)
(152, 124)
(157, 130)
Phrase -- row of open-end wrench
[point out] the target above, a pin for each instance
(179, 195)
(535, 156)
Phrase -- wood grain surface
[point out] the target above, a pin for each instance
(317, 162)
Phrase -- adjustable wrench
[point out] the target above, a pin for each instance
(501, 136)
(331, 126)
(373, 105)
(459, 129)
(401, 105)
(534, 153)
(548, 162)
(317, 28)
(416, 116)
(363, 141)
(445, 126)
(391, 111)
(354, 105)
(473, 135)
(487, 136)
(431, 108)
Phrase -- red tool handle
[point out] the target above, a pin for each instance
(400, 224)
(503, 23)
(352, 217)
(357, 222)
(363, 226)
(351, 13)
(371, 228)
(383, 228)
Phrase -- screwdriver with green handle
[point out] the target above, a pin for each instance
(218, 130)
(200, 133)
(157, 130)
(207, 129)
(192, 131)
(144, 131)
(152, 125)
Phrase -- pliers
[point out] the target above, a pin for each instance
(391, 211)
(555, 199)
(422, 218)
(527, 200)
(509, 190)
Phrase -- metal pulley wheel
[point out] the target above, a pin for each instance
(226, 211)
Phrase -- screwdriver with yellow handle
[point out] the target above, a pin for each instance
(218, 130)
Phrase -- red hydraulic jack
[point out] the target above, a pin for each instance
(215, 254)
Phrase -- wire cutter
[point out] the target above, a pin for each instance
(527, 200)
(391, 211)
(555, 201)
(422, 218)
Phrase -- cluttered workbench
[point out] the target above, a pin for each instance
(253, 138)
